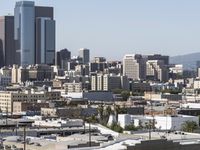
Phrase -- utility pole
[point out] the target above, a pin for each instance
(149, 129)
(16, 128)
(25, 137)
(89, 135)
(7, 114)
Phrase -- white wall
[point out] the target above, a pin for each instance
(161, 122)
(124, 119)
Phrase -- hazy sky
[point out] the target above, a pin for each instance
(112, 28)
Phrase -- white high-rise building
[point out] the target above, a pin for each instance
(134, 67)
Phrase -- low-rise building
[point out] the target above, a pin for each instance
(161, 122)
(19, 107)
(73, 87)
(59, 123)
(30, 96)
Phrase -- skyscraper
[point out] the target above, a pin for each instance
(34, 34)
(45, 41)
(134, 67)
(84, 53)
(63, 57)
(7, 45)
(165, 59)
(25, 32)
(45, 35)
(156, 70)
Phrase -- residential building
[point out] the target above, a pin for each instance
(5, 80)
(109, 82)
(196, 84)
(82, 69)
(73, 87)
(19, 74)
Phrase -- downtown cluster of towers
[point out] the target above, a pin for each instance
(28, 37)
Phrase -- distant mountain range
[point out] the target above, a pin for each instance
(188, 60)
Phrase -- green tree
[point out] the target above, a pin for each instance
(189, 126)
(117, 91)
(100, 111)
(116, 127)
(131, 127)
(108, 110)
(125, 95)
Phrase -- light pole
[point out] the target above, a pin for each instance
(89, 135)
(25, 137)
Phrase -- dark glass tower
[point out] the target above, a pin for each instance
(7, 44)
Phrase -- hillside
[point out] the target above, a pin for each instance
(188, 60)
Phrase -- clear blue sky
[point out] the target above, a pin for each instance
(112, 28)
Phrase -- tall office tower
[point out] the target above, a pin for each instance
(134, 67)
(63, 57)
(7, 44)
(45, 41)
(24, 29)
(85, 55)
(159, 57)
(45, 35)
(34, 34)
(156, 70)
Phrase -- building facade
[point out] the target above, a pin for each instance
(134, 67)
(156, 70)
(62, 58)
(24, 28)
(34, 32)
(7, 44)
(84, 53)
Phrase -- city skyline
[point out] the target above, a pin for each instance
(169, 28)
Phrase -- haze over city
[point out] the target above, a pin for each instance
(99, 74)
(168, 27)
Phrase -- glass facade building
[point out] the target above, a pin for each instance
(24, 28)
(7, 44)
(45, 41)
(34, 30)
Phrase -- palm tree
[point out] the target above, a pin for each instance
(100, 111)
(189, 126)
(117, 110)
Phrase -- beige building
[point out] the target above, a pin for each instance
(19, 107)
(7, 98)
(134, 66)
(69, 112)
(196, 84)
(108, 82)
(73, 87)
(19, 74)
(156, 70)
(31, 73)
